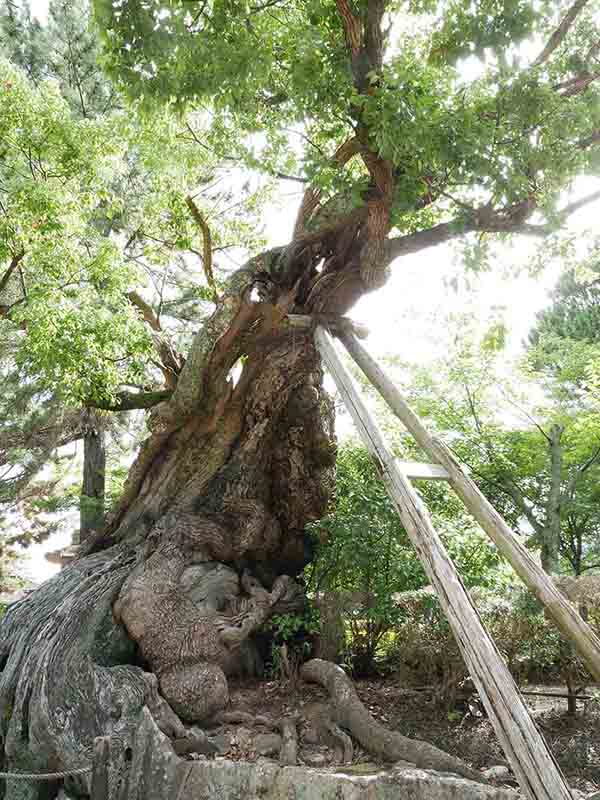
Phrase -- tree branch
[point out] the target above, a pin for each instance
(16, 259)
(170, 360)
(352, 27)
(62, 428)
(486, 220)
(420, 240)
(567, 495)
(374, 36)
(147, 311)
(128, 401)
(571, 208)
(560, 32)
(207, 245)
(312, 197)
(576, 85)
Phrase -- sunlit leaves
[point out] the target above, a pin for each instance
(457, 108)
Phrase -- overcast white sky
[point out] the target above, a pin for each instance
(406, 318)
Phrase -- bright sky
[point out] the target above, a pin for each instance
(406, 317)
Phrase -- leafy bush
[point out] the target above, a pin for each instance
(425, 652)
(291, 638)
(364, 559)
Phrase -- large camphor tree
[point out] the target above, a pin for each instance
(409, 124)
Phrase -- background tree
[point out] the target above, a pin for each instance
(37, 417)
(399, 151)
(532, 442)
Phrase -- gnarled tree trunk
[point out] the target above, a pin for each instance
(205, 543)
(201, 550)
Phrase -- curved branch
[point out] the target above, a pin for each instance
(421, 240)
(559, 34)
(147, 311)
(170, 360)
(207, 264)
(312, 197)
(509, 220)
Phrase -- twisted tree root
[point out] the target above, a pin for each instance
(288, 756)
(350, 713)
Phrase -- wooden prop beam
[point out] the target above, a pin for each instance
(334, 322)
(565, 617)
(537, 772)
(424, 472)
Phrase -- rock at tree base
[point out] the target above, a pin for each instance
(157, 773)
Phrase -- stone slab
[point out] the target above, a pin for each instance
(265, 780)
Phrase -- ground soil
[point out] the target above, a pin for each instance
(574, 740)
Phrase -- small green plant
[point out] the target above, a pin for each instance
(291, 641)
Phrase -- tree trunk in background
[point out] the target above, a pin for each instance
(91, 510)
(550, 540)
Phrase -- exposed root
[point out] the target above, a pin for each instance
(342, 743)
(243, 718)
(351, 714)
(288, 755)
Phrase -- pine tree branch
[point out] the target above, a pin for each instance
(62, 428)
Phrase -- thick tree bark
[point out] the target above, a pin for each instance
(201, 550)
(204, 545)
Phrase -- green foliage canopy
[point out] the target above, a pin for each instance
(506, 134)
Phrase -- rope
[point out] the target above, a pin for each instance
(45, 776)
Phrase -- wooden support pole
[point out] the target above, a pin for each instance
(423, 472)
(565, 617)
(538, 773)
(334, 322)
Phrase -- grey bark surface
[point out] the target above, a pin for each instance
(559, 609)
(550, 536)
(91, 513)
(534, 765)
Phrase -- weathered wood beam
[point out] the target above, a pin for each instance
(334, 322)
(582, 697)
(532, 762)
(427, 472)
(566, 618)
